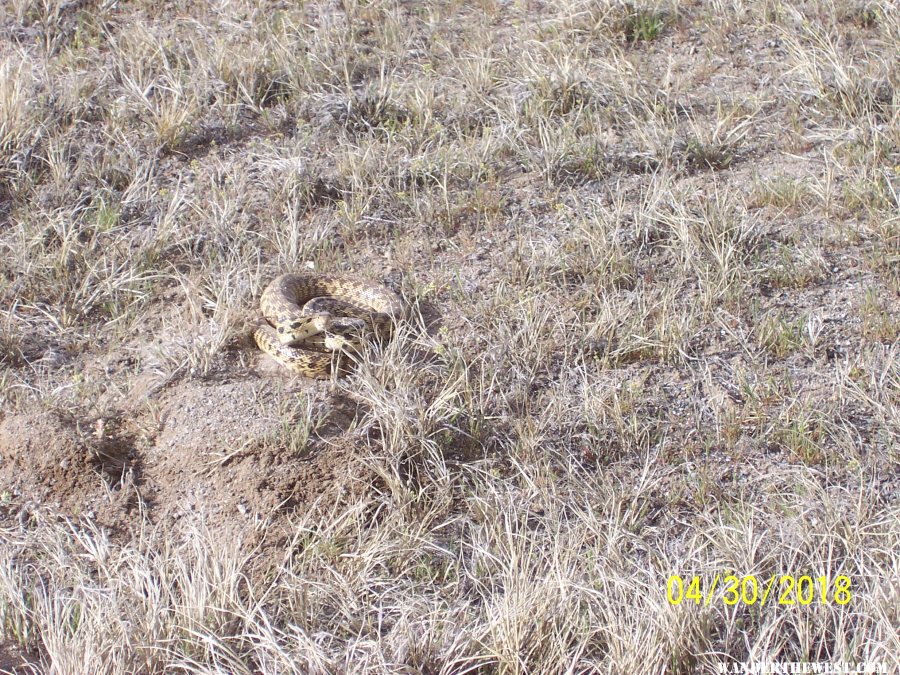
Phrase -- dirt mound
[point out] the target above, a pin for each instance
(46, 459)
(243, 457)
(238, 457)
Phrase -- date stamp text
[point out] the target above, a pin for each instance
(783, 589)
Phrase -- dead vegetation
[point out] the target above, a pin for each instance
(652, 259)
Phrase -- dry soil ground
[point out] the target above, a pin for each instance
(651, 256)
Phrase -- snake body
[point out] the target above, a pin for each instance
(307, 317)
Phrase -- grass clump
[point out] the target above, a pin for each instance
(643, 25)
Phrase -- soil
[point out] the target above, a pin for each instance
(216, 453)
(13, 660)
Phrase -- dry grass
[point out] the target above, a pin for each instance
(651, 254)
(519, 580)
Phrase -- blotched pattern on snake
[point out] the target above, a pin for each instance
(315, 323)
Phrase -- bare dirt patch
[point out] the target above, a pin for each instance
(47, 460)
(230, 454)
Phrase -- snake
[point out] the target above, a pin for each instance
(314, 324)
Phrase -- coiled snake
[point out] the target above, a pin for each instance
(316, 322)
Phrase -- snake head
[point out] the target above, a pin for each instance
(304, 327)
(321, 321)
